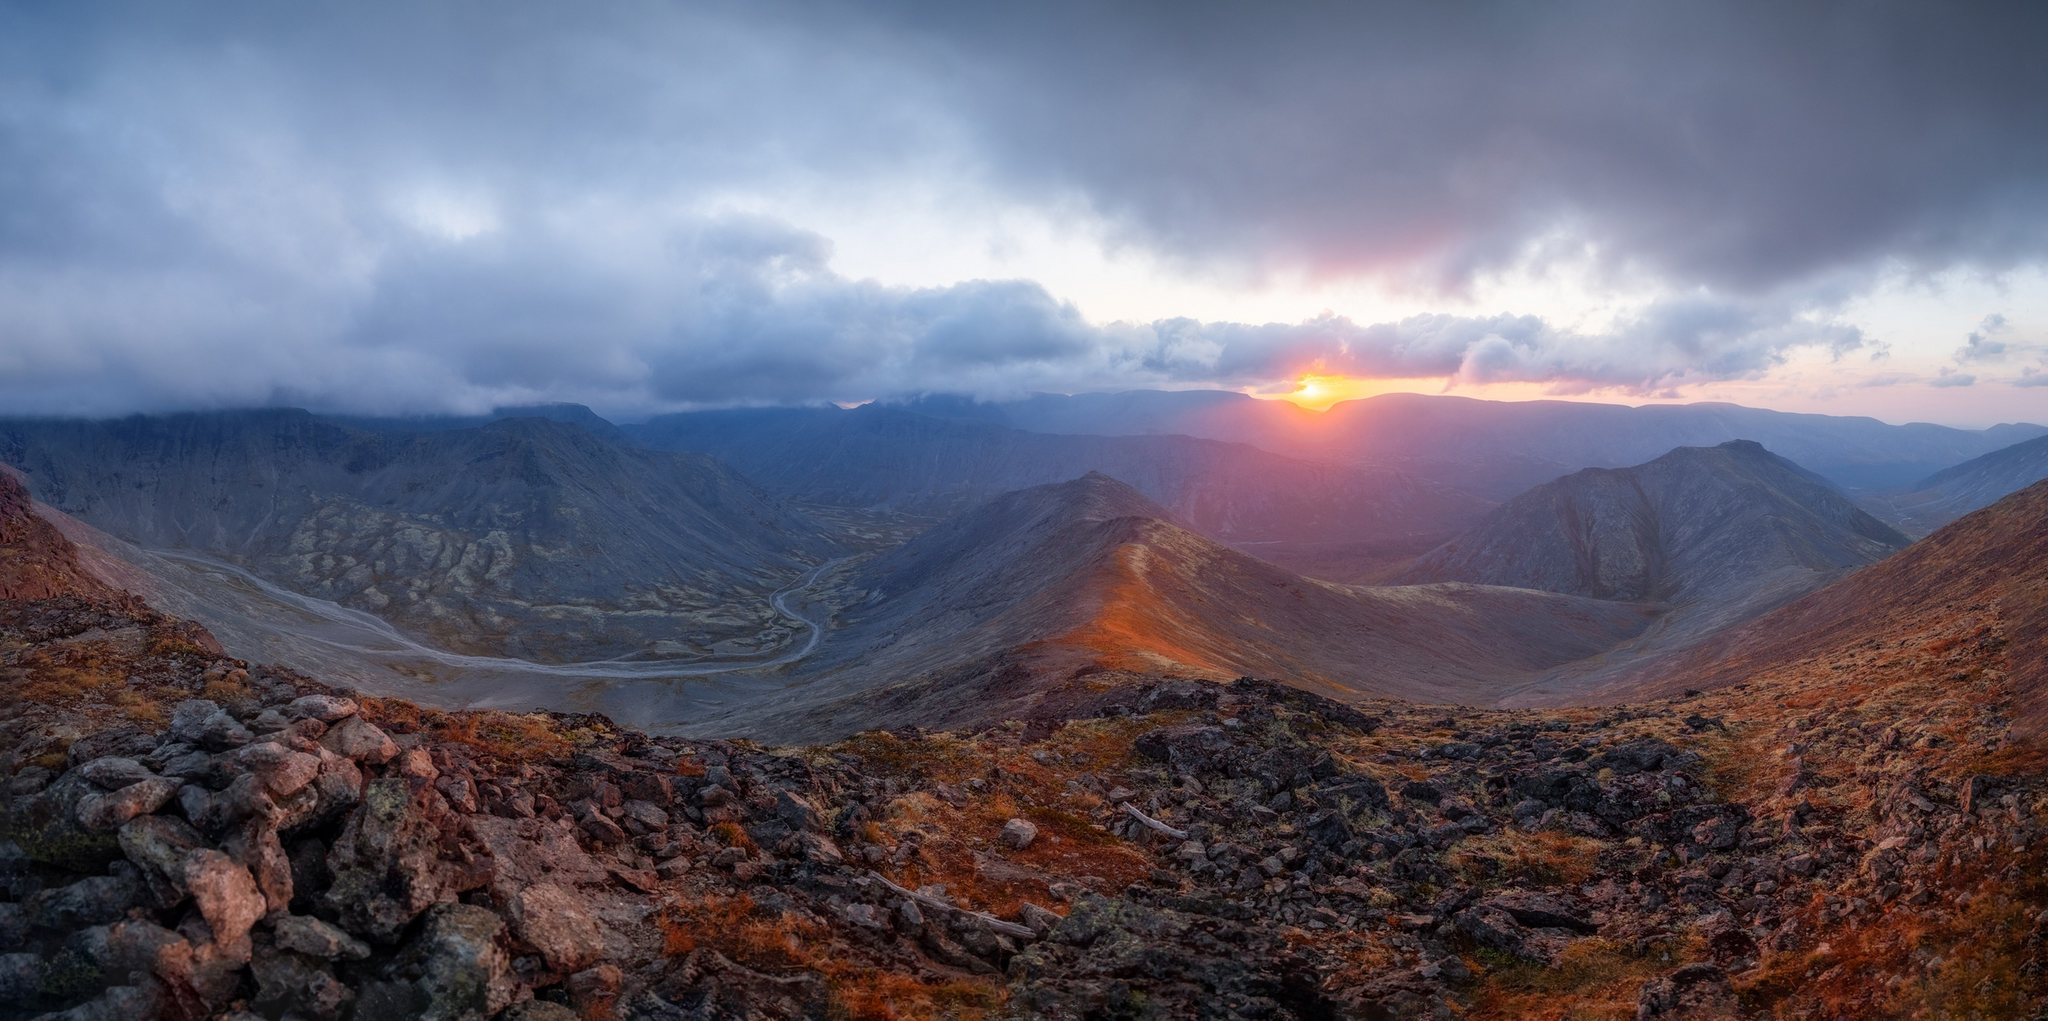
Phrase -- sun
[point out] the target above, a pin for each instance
(1318, 391)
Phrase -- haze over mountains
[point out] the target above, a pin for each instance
(754, 576)
(895, 459)
(1979, 482)
(1496, 449)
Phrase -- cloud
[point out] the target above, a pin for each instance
(2031, 376)
(1979, 346)
(400, 207)
(1950, 377)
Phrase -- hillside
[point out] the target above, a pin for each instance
(895, 459)
(525, 537)
(1697, 526)
(1979, 482)
(976, 619)
(1977, 587)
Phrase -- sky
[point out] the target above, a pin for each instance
(394, 208)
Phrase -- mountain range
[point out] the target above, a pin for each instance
(1979, 482)
(979, 618)
(895, 459)
(796, 573)
(1496, 449)
(524, 536)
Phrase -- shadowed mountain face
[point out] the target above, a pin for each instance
(1976, 585)
(36, 562)
(1980, 482)
(1699, 525)
(524, 537)
(975, 619)
(888, 458)
(1497, 449)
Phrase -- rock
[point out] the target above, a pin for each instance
(256, 847)
(603, 830)
(202, 723)
(282, 770)
(20, 977)
(819, 849)
(1038, 919)
(158, 844)
(226, 894)
(93, 901)
(312, 937)
(538, 1010)
(360, 740)
(594, 990)
(46, 828)
(1018, 833)
(1696, 990)
(417, 764)
(797, 812)
(553, 921)
(464, 974)
(114, 772)
(647, 814)
(1492, 927)
(117, 1003)
(108, 811)
(384, 862)
(305, 987)
(1541, 910)
(325, 708)
(13, 926)
(140, 946)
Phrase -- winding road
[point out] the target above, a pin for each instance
(391, 642)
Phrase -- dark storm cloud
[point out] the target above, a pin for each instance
(1734, 144)
(393, 207)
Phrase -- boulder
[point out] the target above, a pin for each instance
(202, 723)
(158, 844)
(138, 946)
(1018, 834)
(552, 920)
(227, 896)
(297, 985)
(325, 708)
(312, 937)
(282, 770)
(46, 828)
(93, 901)
(360, 740)
(385, 861)
(114, 772)
(107, 811)
(464, 974)
(256, 847)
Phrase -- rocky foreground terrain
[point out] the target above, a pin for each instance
(189, 836)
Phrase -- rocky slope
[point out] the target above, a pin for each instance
(1979, 482)
(975, 619)
(186, 836)
(891, 458)
(524, 537)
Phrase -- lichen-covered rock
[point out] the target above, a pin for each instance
(1018, 833)
(158, 844)
(139, 946)
(96, 900)
(303, 934)
(46, 828)
(298, 986)
(205, 724)
(553, 921)
(385, 861)
(462, 974)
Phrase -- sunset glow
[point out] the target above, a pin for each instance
(1318, 392)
